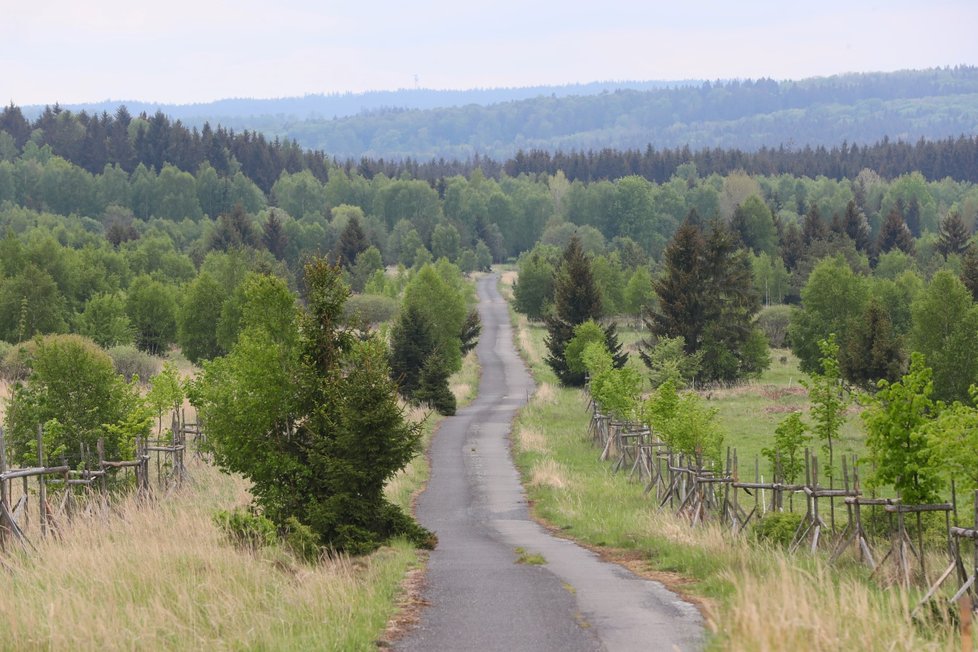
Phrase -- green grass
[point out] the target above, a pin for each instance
(755, 595)
(529, 558)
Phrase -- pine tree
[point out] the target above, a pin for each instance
(912, 217)
(969, 271)
(576, 300)
(273, 235)
(412, 343)
(352, 241)
(433, 389)
(792, 246)
(855, 226)
(953, 236)
(680, 310)
(813, 228)
(706, 297)
(894, 234)
(471, 328)
(872, 351)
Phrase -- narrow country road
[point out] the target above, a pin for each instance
(479, 597)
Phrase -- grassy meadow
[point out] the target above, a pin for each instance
(161, 575)
(755, 596)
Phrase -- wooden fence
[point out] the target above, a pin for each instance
(700, 492)
(52, 494)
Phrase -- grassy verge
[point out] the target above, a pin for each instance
(162, 576)
(755, 596)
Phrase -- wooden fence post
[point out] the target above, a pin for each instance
(4, 494)
(42, 494)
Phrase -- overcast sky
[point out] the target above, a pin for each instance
(184, 51)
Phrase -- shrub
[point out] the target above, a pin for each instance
(301, 540)
(773, 322)
(246, 529)
(777, 528)
(15, 361)
(130, 362)
(369, 308)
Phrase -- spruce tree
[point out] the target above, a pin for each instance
(273, 235)
(706, 297)
(813, 227)
(471, 328)
(872, 351)
(894, 234)
(792, 246)
(969, 271)
(576, 300)
(953, 236)
(433, 389)
(352, 241)
(412, 343)
(855, 226)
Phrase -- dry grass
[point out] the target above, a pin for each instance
(548, 473)
(546, 394)
(162, 576)
(532, 441)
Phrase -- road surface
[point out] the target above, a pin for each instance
(479, 597)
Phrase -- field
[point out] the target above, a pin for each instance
(163, 576)
(755, 595)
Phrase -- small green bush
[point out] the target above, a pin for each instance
(16, 360)
(369, 308)
(301, 540)
(777, 528)
(773, 322)
(246, 529)
(130, 361)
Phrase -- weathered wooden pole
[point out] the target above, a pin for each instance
(42, 494)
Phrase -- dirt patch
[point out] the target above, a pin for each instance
(778, 392)
(410, 604)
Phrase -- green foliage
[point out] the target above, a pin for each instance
(872, 351)
(152, 308)
(777, 528)
(617, 391)
(896, 435)
(433, 389)
(952, 443)
(198, 317)
(576, 300)
(684, 423)
(705, 296)
(668, 362)
(301, 540)
(443, 306)
(638, 296)
(133, 364)
(945, 331)
(369, 309)
(584, 334)
(73, 385)
(773, 322)
(832, 298)
(105, 321)
(533, 291)
(829, 399)
(246, 529)
(165, 391)
(367, 263)
(787, 456)
(309, 414)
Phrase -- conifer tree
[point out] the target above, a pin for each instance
(855, 226)
(969, 271)
(813, 227)
(894, 234)
(706, 297)
(576, 300)
(953, 235)
(433, 389)
(273, 235)
(412, 343)
(792, 246)
(872, 351)
(352, 241)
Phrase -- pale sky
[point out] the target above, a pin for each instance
(183, 51)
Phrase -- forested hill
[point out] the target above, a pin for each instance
(248, 113)
(497, 123)
(742, 115)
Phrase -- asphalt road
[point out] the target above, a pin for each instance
(479, 597)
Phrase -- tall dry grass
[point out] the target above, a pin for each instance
(162, 576)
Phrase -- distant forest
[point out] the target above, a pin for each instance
(95, 142)
(497, 123)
